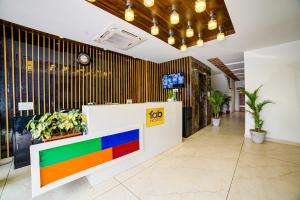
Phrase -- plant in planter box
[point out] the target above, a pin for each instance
(257, 134)
(216, 99)
(58, 125)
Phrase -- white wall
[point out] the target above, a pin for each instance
(277, 68)
(219, 82)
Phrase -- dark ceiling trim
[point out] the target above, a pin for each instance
(220, 65)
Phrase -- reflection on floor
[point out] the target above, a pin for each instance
(215, 163)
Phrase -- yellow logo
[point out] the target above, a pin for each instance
(155, 116)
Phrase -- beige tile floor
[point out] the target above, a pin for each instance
(215, 163)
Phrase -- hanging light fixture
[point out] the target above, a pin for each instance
(189, 31)
(200, 6)
(212, 24)
(183, 46)
(171, 39)
(200, 42)
(174, 17)
(148, 3)
(129, 13)
(221, 34)
(154, 28)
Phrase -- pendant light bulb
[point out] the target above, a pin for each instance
(183, 47)
(129, 13)
(174, 17)
(200, 41)
(148, 3)
(171, 39)
(189, 30)
(212, 24)
(221, 34)
(154, 28)
(200, 6)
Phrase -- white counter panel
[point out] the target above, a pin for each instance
(156, 139)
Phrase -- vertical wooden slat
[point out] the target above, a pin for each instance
(32, 71)
(13, 69)
(44, 72)
(26, 68)
(54, 74)
(49, 75)
(20, 69)
(79, 80)
(58, 75)
(90, 73)
(38, 73)
(63, 74)
(68, 69)
(73, 104)
(6, 95)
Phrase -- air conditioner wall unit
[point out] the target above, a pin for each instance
(119, 38)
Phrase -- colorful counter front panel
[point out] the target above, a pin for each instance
(60, 162)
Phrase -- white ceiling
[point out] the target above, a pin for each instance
(258, 23)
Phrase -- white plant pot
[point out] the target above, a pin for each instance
(258, 137)
(170, 100)
(216, 122)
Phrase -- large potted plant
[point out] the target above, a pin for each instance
(58, 125)
(226, 103)
(216, 99)
(257, 134)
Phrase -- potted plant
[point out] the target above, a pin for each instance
(227, 100)
(257, 134)
(57, 126)
(216, 99)
(170, 95)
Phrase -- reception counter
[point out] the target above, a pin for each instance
(118, 138)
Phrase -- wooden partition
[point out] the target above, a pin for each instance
(42, 68)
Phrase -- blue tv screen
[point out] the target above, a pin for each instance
(175, 80)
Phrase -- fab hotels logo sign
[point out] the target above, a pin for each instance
(155, 116)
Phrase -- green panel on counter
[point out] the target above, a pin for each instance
(67, 152)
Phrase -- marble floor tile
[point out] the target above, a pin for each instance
(261, 177)
(216, 163)
(118, 193)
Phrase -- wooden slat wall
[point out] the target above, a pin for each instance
(56, 81)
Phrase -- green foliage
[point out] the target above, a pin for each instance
(227, 100)
(216, 99)
(58, 122)
(170, 94)
(255, 106)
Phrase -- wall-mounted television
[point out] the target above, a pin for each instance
(171, 81)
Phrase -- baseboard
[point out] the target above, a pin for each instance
(282, 141)
(248, 136)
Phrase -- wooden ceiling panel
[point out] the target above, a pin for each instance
(220, 65)
(161, 11)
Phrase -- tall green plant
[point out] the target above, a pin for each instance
(255, 107)
(227, 100)
(216, 99)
